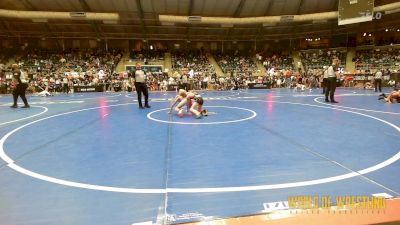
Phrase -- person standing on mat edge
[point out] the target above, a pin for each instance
(378, 81)
(140, 85)
(20, 88)
(331, 81)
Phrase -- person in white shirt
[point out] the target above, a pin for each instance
(45, 92)
(140, 85)
(392, 83)
(101, 74)
(58, 85)
(65, 85)
(205, 82)
(378, 81)
(191, 74)
(331, 87)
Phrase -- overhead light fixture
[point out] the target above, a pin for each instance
(194, 18)
(77, 14)
(351, 2)
(365, 34)
(286, 18)
(369, 35)
(386, 30)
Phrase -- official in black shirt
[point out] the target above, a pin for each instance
(20, 87)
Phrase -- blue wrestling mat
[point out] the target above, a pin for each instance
(97, 158)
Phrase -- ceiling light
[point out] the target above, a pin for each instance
(351, 2)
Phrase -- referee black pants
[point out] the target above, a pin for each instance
(378, 84)
(65, 88)
(142, 87)
(20, 91)
(330, 89)
(324, 85)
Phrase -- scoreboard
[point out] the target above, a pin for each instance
(355, 11)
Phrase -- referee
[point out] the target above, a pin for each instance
(378, 81)
(331, 82)
(20, 88)
(140, 85)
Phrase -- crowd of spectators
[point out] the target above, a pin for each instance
(147, 55)
(317, 59)
(236, 62)
(191, 69)
(275, 60)
(377, 58)
(195, 61)
(88, 61)
(50, 69)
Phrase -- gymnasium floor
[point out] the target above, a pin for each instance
(96, 159)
